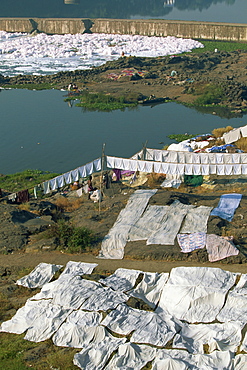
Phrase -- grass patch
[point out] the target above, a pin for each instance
(220, 46)
(24, 180)
(210, 94)
(68, 205)
(180, 137)
(218, 132)
(105, 102)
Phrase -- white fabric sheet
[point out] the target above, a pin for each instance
(122, 279)
(223, 337)
(78, 268)
(41, 275)
(172, 221)
(240, 362)
(195, 294)
(79, 329)
(167, 359)
(232, 136)
(104, 299)
(244, 344)
(131, 356)
(151, 220)
(156, 329)
(235, 308)
(219, 248)
(114, 242)
(95, 355)
(196, 220)
(124, 319)
(150, 288)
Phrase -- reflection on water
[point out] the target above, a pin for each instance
(40, 131)
(117, 8)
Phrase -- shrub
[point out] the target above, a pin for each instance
(218, 132)
(212, 95)
(242, 144)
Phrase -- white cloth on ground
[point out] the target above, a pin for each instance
(195, 294)
(235, 308)
(95, 355)
(78, 268)
(113, 244)
(244, 344)
(196, 220)
(223, 337)
(79, 329)
(172, 221)
(191, 242)
(104, 299)
(131, 356)
(156, 329)
(243, 130)
(150, 288)
(172, 181)
(219, 248)
(172, 360)
(41, 275)
(148, 222)
(239, 362)
(122, 279)
(124, 319)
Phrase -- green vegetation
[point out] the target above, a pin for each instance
(180, 137)
(105, 102)
(24, 180)
(71, 239)
(31, 86)
(220, 46)
(211, 94)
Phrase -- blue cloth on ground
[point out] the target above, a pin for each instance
(227, 205)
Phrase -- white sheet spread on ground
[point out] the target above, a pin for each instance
(240, 362)
(79, 329)
(195, 294)
(95, 355)
(196, 220)
(114, 242)
(69, 292)
(150, 288)
(223, 337)
(156, 329)
(131, 356)
(244, 344)
(235, 308)
(151, 220)
(122, 279)
(41, 275)
(191, 242)
(219, 248)
(79, 268)
(172, 221)
(104, 299)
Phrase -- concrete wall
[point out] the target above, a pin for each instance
(186, 29)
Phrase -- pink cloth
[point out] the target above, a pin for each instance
(219, 247)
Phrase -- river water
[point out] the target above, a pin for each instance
(40, 131)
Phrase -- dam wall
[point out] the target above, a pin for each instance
(150, 27)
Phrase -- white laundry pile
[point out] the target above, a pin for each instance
(113, 244)
(122, 279)
(172, 221)
(131, 356)
(150, 288)
(41, 275)
(223, 337)
(104, 299)
(78, 268)
(195, 295)
(219, 247)
(151, 220)
(235, 308)
(80, 328)
(95, 355)
(22, 53)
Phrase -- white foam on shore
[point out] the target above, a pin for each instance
(21, 53)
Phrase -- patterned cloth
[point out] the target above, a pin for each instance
(190, 242)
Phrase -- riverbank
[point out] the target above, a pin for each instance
(213, 79)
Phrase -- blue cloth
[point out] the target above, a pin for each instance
(227, 205)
